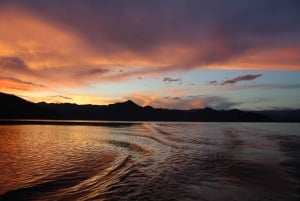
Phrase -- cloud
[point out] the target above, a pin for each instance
(232, 81)
(216, 102)
(20, 81)
(145, 99)
(89, 73)
(268, 86)
(94, 71)
(169, 80)
(63, 97)
(250, 77)
(241, 78)
(173, 98)
(186, 34)
(57, 99)
(213, 82)
(183, 102)
(62, 44)
(13, 83)
(219, 102)
(13, 63)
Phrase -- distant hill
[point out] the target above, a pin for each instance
(13, 107)
(282, 115)
(129, 111)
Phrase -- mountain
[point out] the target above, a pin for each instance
(13, 107)
(282, 115)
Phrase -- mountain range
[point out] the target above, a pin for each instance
(13, 107)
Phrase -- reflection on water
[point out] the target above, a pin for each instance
(149, 161)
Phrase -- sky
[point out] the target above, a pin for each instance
(179, 54)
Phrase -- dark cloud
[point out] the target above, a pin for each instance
(173, 98)
(252, 86)
(232, 81)
(219, 103)
(94, 71)
(213, 82)
(214, 30)
(15, 70)
(169, 80)
(241, 78)
(13, 64)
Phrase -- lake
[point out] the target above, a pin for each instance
(69, 160)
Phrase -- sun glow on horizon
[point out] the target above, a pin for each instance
(84, 54)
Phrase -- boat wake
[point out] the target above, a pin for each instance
(147, 161)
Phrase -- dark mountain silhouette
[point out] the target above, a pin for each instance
(282, 115)
(13, 107)
(129, 111)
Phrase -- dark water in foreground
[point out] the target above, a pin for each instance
(150, 161)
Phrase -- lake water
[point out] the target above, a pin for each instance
(149, 161)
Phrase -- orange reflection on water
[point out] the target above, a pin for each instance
(33, 154)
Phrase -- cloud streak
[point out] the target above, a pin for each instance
(170, 80)
(240, 79)
(13, 83)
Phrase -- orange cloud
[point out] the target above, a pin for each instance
(58, 53)
(16, 84)
(144, 99)
(277, 58)
(91, 37)
(45, 44)
(158, 101)
(182, 102)
(197, 103)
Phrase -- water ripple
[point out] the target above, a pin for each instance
(148, 161)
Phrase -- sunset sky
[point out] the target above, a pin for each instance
(181, 54)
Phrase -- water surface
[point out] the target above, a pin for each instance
(149, 161)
